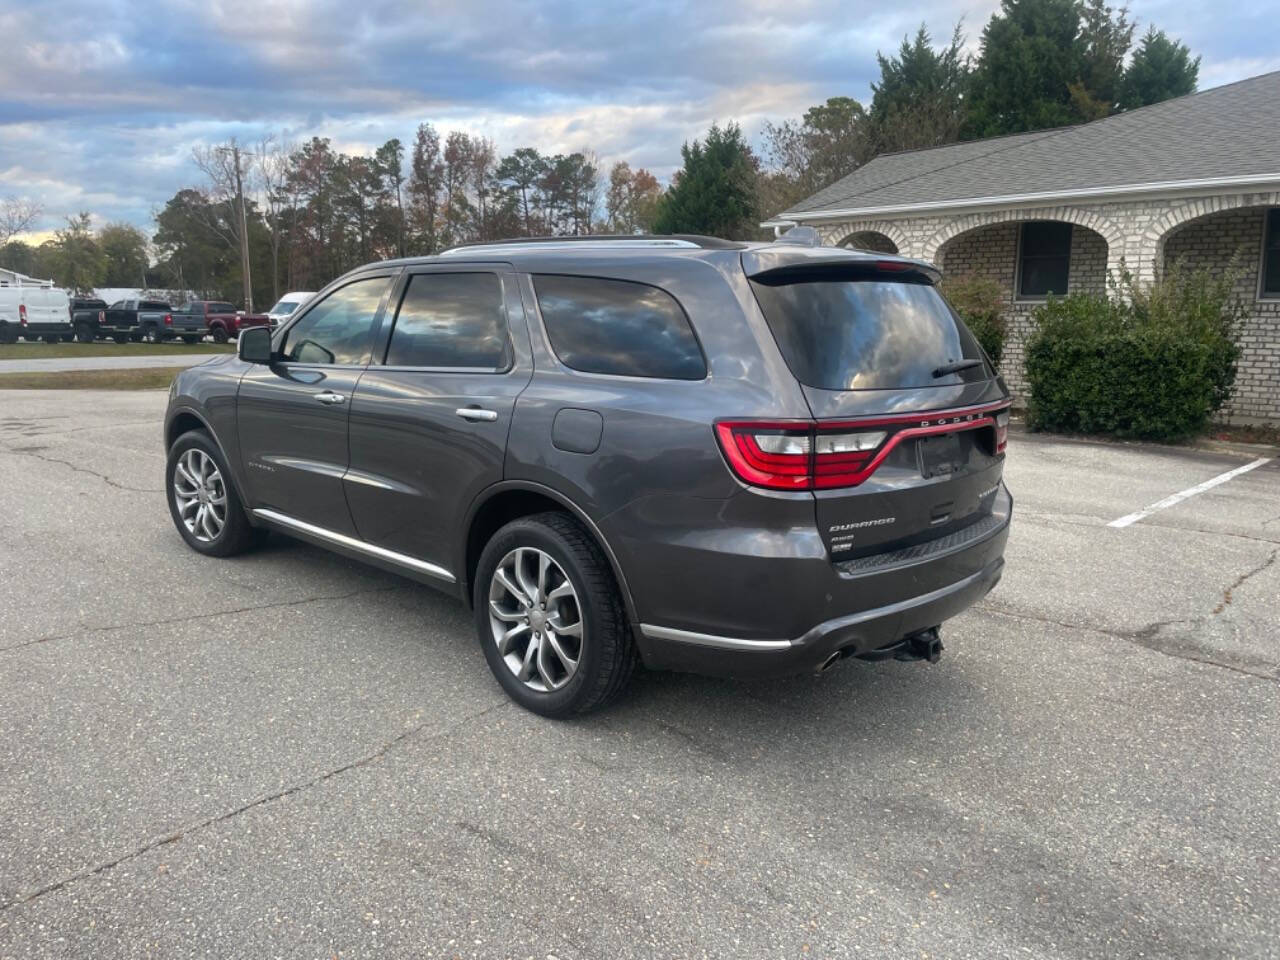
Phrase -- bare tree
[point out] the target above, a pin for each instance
(271, 168)
(16, 216)
(225, 167)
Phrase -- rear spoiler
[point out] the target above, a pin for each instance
(780, 264)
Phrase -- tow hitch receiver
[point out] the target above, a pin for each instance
(925, 645)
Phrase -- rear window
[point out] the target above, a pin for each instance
(618, 327)
(451, 320)
(153, 305)
(866, 334)
(217, 306)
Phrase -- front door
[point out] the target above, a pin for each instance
(429, 424)
(293, 412)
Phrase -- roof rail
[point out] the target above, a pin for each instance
(685, 241)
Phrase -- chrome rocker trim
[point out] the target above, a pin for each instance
(710, 640)
(351, 543)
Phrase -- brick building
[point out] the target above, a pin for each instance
(1195, 179)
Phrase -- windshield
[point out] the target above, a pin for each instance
(866, 334)
(284, 307)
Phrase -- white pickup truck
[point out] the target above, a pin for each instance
(33, 309)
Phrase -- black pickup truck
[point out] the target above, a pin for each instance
(86, 317)
(150, 320)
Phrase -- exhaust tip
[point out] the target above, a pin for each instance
(830, 662)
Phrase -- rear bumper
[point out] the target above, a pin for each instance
(46, 329)
(948, 583)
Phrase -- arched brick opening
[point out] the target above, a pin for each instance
(1105, 228)
(870, 240)
(886, 233)
(991, 250)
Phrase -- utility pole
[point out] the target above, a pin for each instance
(244, 231)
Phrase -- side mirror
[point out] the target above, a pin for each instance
(255, 345)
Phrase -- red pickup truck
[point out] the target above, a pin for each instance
(221, 319)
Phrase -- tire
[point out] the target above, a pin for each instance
(55, 338)
(68, 337)
(235, 535)
(120, 338)
(8, 334)
(606, 654)
(191, 339)
(151, 334)
(84, 333)
(219, 334)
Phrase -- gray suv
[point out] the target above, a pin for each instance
(689, 453)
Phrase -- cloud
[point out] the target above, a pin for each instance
(102, 101)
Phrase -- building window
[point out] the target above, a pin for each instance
(1271, 255)
(1044, 259)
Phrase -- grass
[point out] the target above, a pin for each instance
(150, 378)
(36, 351)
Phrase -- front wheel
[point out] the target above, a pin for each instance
(202, 499)
(152, 334)
(219, 335)
(549, 617)
(190, 340)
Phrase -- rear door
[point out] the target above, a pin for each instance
(430, 417)
(292, 413)
(906, 446)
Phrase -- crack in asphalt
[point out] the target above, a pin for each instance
(29, 452)
(1226, 594)
(186, 831)
(200, 616)
(1146, 638)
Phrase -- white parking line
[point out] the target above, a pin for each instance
(1187, 493)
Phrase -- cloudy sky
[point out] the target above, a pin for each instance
(102, 101)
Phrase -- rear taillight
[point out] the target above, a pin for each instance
(797, 456)
(1002, 430)
(102, 316)
(22, 314)
(807, 455)
(168, 320)
(773, 455)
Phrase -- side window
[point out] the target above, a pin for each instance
(451, 320)
(618, 327)
(1046, 258)
(338, 328)
(1271, 255)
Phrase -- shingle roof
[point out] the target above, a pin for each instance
(1228, 131)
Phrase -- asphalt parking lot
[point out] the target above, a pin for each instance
(291, 754)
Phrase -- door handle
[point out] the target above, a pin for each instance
(328, 396)
(477, 413)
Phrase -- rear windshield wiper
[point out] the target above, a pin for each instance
(956, 366)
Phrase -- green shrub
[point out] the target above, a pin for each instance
(978, 301)
(1151, 362)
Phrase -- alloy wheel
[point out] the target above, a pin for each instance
(201, 495)
(536, 619)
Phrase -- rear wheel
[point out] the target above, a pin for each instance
(549, 617)
(84, 333)
(120, 338)
(8, 334)
(190, 339)
(202, 499)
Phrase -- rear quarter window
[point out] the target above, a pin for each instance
(866, 334)
(618, 327)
